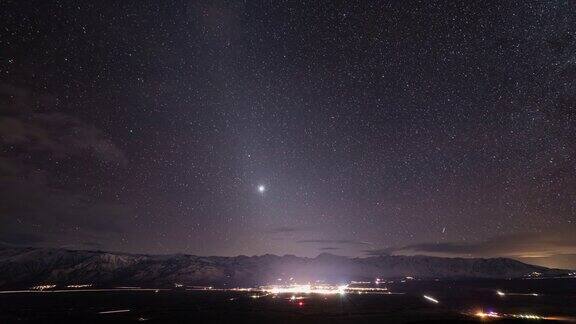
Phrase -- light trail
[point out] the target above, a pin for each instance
(434, 300)
(79, 286)
(75, 290)
(114, 311)
(494, 315)
(503, 294)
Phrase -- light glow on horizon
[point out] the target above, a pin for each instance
(306, 289)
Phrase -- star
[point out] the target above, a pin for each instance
(346, 143)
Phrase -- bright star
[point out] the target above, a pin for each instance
(261, 188)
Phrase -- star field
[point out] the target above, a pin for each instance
(249, 127)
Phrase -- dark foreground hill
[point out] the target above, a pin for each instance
(23, 267)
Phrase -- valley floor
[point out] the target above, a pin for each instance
(458, 301)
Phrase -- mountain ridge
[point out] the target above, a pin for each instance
(25, 267)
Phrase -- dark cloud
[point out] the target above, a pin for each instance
(330, 248)
(344, 242)
(289, 229)
(529, 247)
(24, 239)
(28, 130)
(30, 200)
(560, 261)
(83, 246)
(37, 207)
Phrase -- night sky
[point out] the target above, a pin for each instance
(250, 127)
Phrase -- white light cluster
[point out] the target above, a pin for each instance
(306, 289)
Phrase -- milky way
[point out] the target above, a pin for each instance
(225, 128)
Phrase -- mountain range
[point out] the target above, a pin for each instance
(25, 267)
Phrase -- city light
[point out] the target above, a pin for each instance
(481, 314)
(42, 287)
(306, 289)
